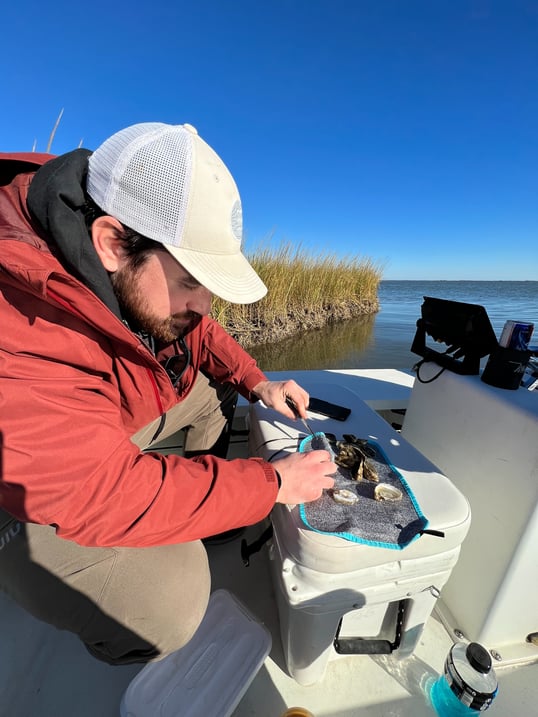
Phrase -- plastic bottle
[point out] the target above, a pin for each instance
(468, 684)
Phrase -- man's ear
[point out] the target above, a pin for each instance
(106, 237)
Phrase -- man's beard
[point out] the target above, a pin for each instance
(135, 308)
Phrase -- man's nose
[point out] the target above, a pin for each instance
(200, 301)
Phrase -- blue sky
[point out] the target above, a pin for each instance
(405, 131)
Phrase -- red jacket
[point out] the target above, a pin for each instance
(76, 384)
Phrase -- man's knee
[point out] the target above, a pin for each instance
(210, 431)
(156, 607)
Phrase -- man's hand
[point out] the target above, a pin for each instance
(304, 476)
(275, 393)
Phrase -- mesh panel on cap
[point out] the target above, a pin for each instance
(153, 188)
(147, 178)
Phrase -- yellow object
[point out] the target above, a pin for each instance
(297, 712)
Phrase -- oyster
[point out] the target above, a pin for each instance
(343, 496)
(362, 443)
(388, 492)
(353, 454)
(347, 455)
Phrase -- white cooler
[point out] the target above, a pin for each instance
(337, 596)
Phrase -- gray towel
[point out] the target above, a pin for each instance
(383, 524)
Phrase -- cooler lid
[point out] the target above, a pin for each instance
(209, 676)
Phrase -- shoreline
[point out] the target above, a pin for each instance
(249, 333)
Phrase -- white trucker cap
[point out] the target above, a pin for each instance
(164, 182)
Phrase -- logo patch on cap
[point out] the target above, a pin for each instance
(237, 221)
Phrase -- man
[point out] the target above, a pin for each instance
(108, 263)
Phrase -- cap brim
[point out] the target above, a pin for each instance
(228, 276)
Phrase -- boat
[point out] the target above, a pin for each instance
(475, 442)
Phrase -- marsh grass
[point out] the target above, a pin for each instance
(305, 291)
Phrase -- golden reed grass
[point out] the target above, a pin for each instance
(305, 291)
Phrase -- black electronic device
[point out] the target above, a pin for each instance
(330, 410)
(464, 328)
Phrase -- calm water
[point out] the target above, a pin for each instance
(384, 340)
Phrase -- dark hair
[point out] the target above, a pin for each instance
(137, 247)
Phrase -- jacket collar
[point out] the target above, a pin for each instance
(56, 198)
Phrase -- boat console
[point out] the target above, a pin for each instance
(484, 439)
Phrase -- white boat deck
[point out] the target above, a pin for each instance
(47, 673)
